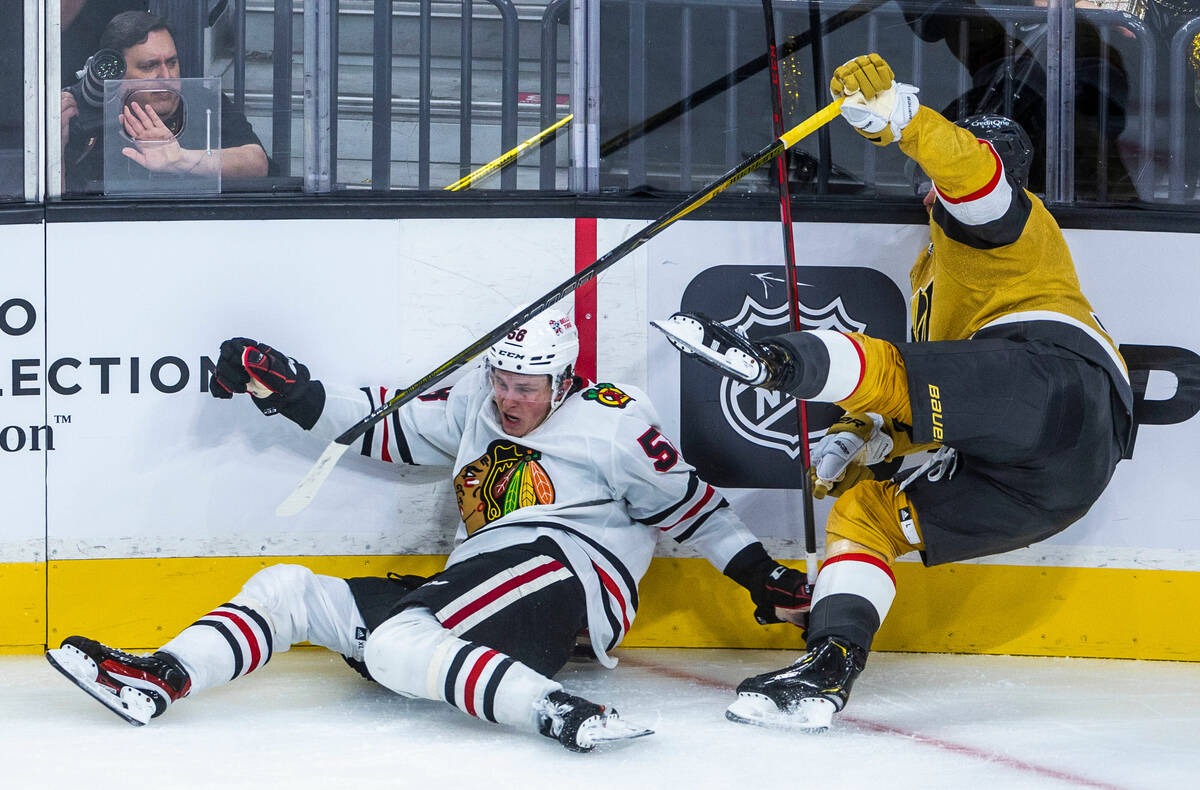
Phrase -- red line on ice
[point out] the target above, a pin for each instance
(937, 743)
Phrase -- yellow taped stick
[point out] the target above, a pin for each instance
(812, 123)
(470, 179)
(782, 143)
(308, 487)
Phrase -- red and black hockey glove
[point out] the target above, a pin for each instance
(230, 377)
(278, 383)
(780, 594)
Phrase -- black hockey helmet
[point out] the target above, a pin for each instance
(1011, 142)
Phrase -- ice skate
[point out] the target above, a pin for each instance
(136, 688)
(728, 351)
(580, 725)
(804, 695)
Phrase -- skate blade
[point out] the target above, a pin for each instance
(813, 715)
(593, 733)
(687, 335)
(130, 704)
(683, 332)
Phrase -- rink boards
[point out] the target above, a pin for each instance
(134, 501)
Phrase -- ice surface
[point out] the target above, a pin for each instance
(914, 721)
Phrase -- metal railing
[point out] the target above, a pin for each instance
(320, 21)
(1156, 147)
(281, 83)
(382, 108)
(556, 13)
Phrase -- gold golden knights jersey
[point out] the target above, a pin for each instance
(597, 477)
(996, 255)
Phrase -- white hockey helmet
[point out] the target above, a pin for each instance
(547, 344)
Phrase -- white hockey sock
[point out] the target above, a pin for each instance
(412, 654)
(230, 641)
(278, 607)
(853, 595)
(845, 366)
(828, 365)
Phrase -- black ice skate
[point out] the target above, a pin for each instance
(728, 351)
(579, 725)
(806, 694)
(136, 688)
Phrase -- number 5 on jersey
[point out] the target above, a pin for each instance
(657, 447)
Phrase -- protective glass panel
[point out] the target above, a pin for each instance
(251, 50)
(966, 59)
(456, 97)
(162, 137)
(1167, 30)
(687, 85)
(686, 93)
(258, 51)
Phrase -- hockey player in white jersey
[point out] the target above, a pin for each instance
(564, 488)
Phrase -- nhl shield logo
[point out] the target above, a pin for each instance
(744, 437)
(767, 418)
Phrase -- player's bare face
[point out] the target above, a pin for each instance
(155, 58)
(522, 401)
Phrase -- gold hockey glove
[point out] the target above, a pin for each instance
(840, 459)
(855, 474)
(875, 104)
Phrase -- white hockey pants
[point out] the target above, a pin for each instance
(278, 607)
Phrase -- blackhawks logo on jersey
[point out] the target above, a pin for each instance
(505, 478)
(607, 395)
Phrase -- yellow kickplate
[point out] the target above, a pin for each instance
(1001, 609)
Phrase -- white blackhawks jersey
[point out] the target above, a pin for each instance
(597, 477)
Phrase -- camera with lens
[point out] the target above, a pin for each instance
(107, 64)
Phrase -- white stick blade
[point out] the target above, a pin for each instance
(306, 491)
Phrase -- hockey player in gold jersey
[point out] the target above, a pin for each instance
(1011, 386)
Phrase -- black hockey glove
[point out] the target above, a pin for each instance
(278, 384)
(772, 586)
(230, 377)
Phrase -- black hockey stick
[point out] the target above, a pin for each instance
(789, 259)
(738, 75)
(308, 487)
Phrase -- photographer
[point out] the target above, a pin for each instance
(147, 45)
